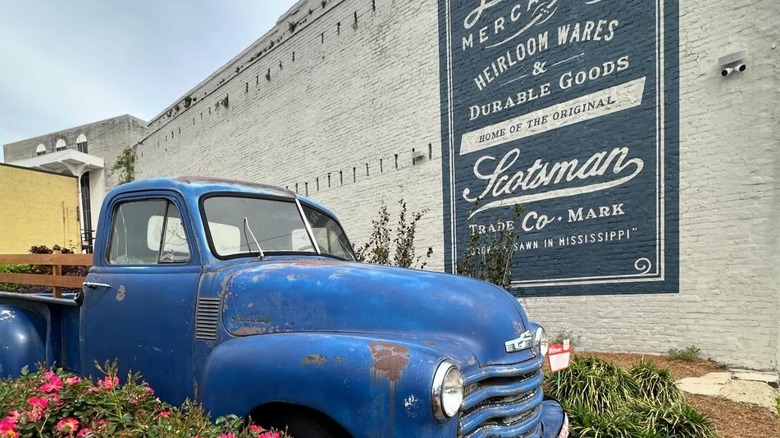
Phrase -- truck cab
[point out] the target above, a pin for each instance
(249, 299)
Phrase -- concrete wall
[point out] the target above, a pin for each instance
(105, 139)
(325, 95)
(39, 208)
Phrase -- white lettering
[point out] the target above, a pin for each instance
(500, 180)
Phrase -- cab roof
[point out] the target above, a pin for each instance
(196, 186)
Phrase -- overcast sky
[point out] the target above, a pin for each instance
(68, 63)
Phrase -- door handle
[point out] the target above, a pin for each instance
(93, 285)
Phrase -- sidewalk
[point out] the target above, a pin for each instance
(737, 385)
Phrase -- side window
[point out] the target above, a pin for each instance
(147, 233)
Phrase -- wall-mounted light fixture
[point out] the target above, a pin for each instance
(733, 62)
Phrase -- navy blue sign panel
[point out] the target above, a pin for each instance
(568, 108)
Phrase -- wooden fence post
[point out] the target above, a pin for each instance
(56, 270)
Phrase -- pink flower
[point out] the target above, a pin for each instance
(108, 383)
(73, 380)
(269, 435)
(227, 435)
(38, 402)
(84, 432)
(67, 426)
(55, 398)
(38, 406)
(8, 427)
(164, 414)
(54, 385)
(14, 416)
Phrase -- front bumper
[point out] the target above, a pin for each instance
(555, 423)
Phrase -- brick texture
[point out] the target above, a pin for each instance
(333, 102)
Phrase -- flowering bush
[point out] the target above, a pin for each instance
(53, 403)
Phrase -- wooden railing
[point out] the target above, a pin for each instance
(56, 280)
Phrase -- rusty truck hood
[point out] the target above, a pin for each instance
(283, 295)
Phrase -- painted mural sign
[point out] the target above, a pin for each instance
(568, 108)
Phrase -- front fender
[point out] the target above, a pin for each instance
(22, 333)
(373, 387)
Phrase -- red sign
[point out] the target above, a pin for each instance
(559, 356)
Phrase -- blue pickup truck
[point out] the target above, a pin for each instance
(248, 299)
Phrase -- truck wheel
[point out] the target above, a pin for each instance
(304, 425)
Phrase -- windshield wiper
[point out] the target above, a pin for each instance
(247, 227)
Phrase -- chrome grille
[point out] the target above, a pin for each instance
(503, 400)
(206, 319)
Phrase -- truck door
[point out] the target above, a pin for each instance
(139, 298)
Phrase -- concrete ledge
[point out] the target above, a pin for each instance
(772, 379)
(740, 386)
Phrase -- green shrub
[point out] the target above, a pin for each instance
(674, 420)
(378, 249)
(655, 385)
(604, 400)
(687, 354)
(490, 258)
(52, 403)
(14, 269)
(587, 423)
(595, 383)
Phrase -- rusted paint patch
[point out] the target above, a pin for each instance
(389, 359)
(260, 330)
(120, 293)
(249, 331)
(224, 287)
(314, 359)
(339, 358)
(431, 343)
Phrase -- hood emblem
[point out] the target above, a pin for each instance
(525, 341)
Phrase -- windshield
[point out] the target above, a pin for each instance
(330, 237)
(241, 225)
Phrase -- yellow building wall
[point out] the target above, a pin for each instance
(37, 208)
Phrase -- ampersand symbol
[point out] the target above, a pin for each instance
(539, 68)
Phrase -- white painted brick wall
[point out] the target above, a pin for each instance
(357, 95)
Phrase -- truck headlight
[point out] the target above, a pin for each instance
(447, 391)
(540, 340)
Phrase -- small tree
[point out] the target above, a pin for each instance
(378, 249)
(490, 259)
(125, 165)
